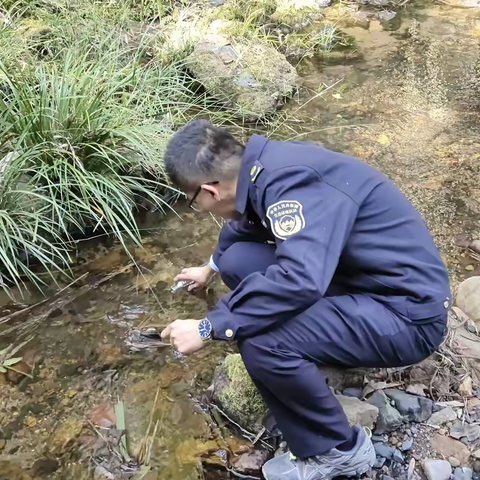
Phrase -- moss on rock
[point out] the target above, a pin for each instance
(237, 394)
(251, 79)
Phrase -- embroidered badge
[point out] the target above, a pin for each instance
(286, 218)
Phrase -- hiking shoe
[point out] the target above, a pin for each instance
(324, 467)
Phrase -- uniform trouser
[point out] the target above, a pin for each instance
(347, 330)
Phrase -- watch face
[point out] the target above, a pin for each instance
(204, 329)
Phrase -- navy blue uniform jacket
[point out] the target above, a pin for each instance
(340, 227)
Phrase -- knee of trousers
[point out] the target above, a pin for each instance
(256, 357)
(232, 264)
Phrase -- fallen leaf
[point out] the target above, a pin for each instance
(102, 415)
(417, 389)
(466, 388)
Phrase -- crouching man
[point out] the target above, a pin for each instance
(327, 262)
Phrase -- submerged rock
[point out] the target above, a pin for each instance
(251, 79)
(468, 297)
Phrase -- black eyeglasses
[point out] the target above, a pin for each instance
(197, 191)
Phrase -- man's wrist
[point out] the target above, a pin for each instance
(205, 330)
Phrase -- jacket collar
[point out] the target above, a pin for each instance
(253, 151)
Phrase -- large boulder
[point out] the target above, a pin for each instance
(468, 298)
(251, 79)
(235, 393)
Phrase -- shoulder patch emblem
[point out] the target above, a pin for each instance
(286, 218)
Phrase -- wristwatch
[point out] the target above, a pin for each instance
(205, 329)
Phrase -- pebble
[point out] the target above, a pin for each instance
(476, 454)
(379, 462)
(437, 469)
(353, 392)
(464, 473)
(414, 430)
(384, 450)
(454, 462)
(397, 456)
(407, 445)
(476, 466)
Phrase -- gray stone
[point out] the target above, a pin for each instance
(358, 412)
(378, 438)
(388, 417)
(386, 16)
(255, 86)
(397, 456)
(468, 297)
(454, 462)
(413, 408)
(384, 451)
(379, 462)
(442, 417)
(437, 469)
(353, 392)
(406, 445)
(464, 473)
(476, 466)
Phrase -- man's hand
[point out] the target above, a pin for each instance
(184, 336)
(199, 275)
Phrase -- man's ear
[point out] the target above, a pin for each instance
(212, 190)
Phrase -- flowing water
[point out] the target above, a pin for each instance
(405, 100)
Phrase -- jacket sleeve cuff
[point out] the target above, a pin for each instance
(222, 325)
(213, 265)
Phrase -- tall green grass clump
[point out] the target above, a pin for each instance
(76, 137)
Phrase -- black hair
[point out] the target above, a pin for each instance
(201, 152)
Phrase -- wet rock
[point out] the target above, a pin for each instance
(11, 471)
(414, 409)
(448, 447)
(468, 297)
(454, 462)
(234, 391)
(251, 462)
(45, 466)
(17, 376)
(358, 412)
(384, 451)
(464, 473)
(388, 417)
(353, 392)
(437, 469)
(442, 417)
(255, 86)
(64, 435)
